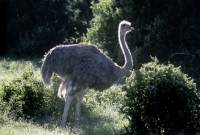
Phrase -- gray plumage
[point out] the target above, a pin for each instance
(82, 66)
(86, 66)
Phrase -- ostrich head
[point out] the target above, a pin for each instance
(125, 27)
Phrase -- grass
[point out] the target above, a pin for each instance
(100, 110)
(10, 68)
(12, 127)
(101, 120)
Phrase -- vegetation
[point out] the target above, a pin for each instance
(27, 96)
(160, 99)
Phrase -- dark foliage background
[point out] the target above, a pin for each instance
(33, 27)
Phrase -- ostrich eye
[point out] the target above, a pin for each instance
(123, 25)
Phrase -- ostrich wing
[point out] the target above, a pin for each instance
(86, 65)
(94, 71)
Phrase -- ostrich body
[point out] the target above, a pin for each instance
(82, 66)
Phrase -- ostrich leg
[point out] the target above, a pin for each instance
(79, 97)
(66, 110)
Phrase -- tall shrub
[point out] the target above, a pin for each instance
(161, 99)
(104, 26)
(26, 95)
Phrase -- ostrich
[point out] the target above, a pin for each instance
(82, 66)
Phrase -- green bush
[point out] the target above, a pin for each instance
(27, 96)
(160, 99)
(24, 94)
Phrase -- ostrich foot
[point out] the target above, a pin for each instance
(77, 122)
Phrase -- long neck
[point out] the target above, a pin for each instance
(125, 70)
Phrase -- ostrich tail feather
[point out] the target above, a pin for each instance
(46, 71)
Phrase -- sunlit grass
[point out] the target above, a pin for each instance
(9, 126)
(105, 122)
(10, 68)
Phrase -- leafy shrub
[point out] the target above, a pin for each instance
(160, 99)
(26, 95)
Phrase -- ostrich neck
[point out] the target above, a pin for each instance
(125, 70)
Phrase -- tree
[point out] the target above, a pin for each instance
(36, 26)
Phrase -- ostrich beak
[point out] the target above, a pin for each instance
(132, 28)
